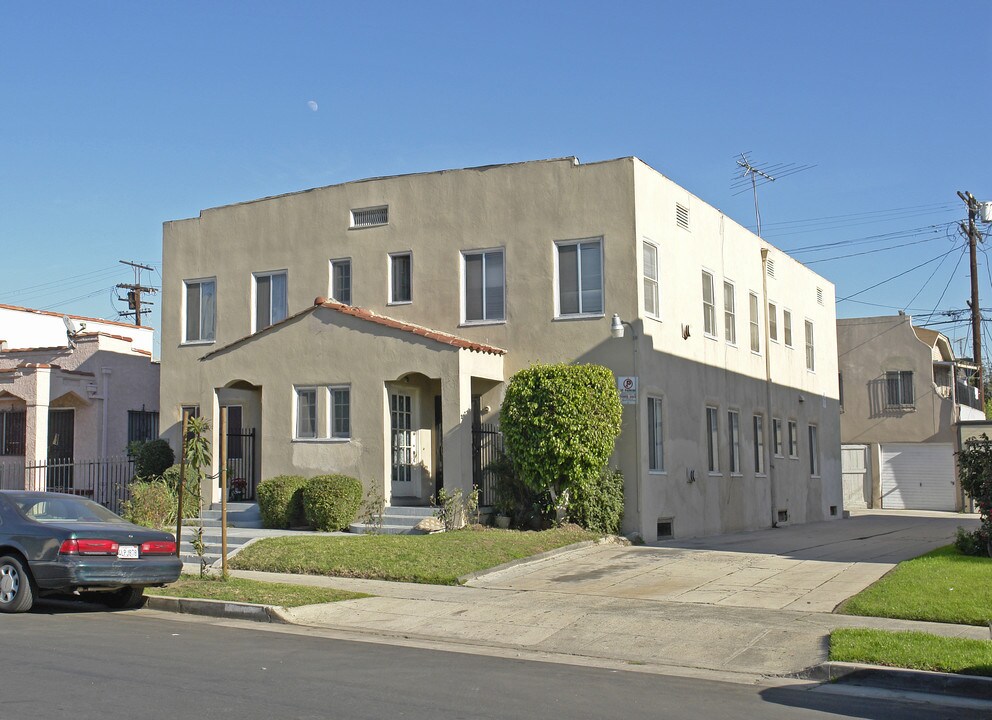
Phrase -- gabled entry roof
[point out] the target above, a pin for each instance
(373, 317)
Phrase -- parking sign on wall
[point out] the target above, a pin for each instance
(627, 387)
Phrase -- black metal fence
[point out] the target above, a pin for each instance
(241, 465)
(106, 481)
(487, 444)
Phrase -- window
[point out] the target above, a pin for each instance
(793, 440)
(773, 322)
(580, 278)
(734, 435)
(306, 413)
(142, 425)
(201, 310)
(682, 216)
(340, 407)
(787, 327)
(899, 389)
(810, 355)
(755, 327)
(12, 432)
(400, 278)
(777, 437)
(656, 442)
(651, 300)
(370, 217)
(759, 444)
(709, 305)
(271, 303)
(713, 439)
(484, 286)
(729, 315)
(341, 281)
(814, 452)
(192, 411)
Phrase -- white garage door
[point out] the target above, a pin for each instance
(918, 476)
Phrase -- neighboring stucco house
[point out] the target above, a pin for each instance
(443, 284)
(71, 400)
(902, 396)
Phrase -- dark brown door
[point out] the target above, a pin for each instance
(61, 435)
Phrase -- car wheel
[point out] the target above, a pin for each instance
(16, 594)
(129, 598)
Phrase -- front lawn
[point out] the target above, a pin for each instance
(251, 591)
(437, 559)
(941, 586)
(920, 651)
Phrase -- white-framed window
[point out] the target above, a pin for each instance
(306, 413)
(734, 436)
(339, 407)
(777, 437)
(400, 278)
(814, 452)
(652, 301)
(758, 426)
(682, 216)
(709, 305)
(656, 435)
(810, 352)
(787, 327)
(200, 303)
(370, 216)
(754, 324)
(483, 286)
(773, 322)
(713, 439)
(579, 267)
(729, 313)
(271, 298)
(341, 280)
(793, 440)
(899, 389)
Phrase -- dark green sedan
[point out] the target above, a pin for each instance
(57, 544)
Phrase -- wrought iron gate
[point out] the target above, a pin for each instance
(487, 443)
(241, 465)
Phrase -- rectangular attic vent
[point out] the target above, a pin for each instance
(770, 266)
(370, 217)
(682, 216)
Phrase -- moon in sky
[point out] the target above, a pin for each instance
(312, 104)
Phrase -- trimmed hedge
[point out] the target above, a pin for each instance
(331, 502)
(280, 501)
(597, 504)
(151, 458)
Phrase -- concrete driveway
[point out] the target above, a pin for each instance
(811, 567)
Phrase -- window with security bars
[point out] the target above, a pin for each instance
(12, 432)
(142, 425)
(899, 389)
(370, 217)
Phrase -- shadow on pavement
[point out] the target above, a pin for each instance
(855, 706)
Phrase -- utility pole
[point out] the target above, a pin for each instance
(134, 291)
(976, 310)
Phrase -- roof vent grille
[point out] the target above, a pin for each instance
(770, 266)
(682, 216)
(370, 217)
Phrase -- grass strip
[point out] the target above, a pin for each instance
(252, 591)
(915, 650)
(437, 559)
(941, 586)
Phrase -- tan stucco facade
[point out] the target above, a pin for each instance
(525, 211)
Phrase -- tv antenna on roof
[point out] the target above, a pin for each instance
(759, 176)
(71, 331)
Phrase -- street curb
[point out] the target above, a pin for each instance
(219, 609)
(889, 678)
(523, 561)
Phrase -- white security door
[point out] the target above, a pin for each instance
(403, 445)
(917, 476)
(857, 486)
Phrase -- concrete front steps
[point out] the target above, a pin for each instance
(244, 522)
(397, 520)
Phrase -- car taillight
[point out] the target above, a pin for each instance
(158, 547)
(88, 546)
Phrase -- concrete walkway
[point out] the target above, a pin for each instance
(728, 604)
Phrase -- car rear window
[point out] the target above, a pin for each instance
(62, 509)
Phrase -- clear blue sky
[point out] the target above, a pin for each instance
(115, 117)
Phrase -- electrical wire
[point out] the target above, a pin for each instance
(869, 252)
(894, 277)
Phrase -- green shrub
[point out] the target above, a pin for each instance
(526, 508)
(975, 473)
(977, 542)
(152, 504)
(597, 504)
(280, 501)
(560, 424)
(151, 457)
(191, 494)
(331, 502)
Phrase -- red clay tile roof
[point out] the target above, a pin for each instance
(35, 349)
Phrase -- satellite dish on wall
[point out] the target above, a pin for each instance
(71, 331)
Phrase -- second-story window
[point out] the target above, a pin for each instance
(729, 313)
(709, 305)
(341, 280)
(899, 389)
(651, 300)
(271, 299)
(755, 327)
(483, 286)
(201, 310)
(580, 277)
(773, 322)
(787, 328)
(810, 350)
(400, 278)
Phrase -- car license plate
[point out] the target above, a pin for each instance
(127, 552)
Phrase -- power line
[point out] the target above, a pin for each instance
(894, 277)
(932, 206)
(869, 252)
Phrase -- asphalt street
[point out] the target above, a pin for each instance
(62, 660)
